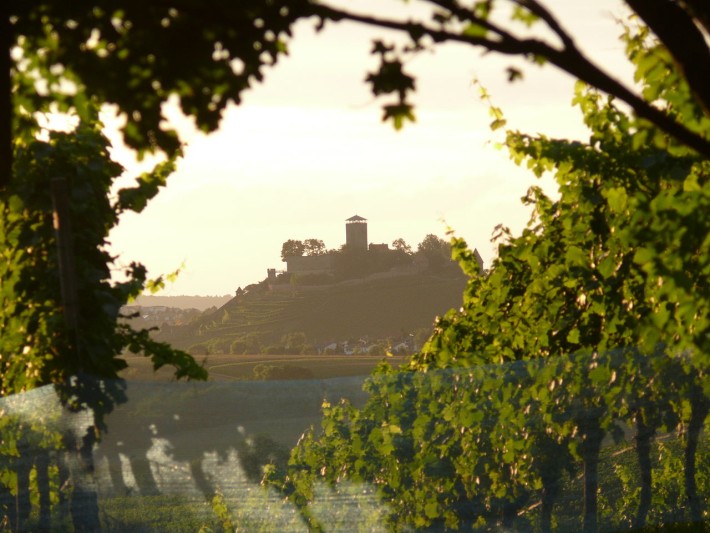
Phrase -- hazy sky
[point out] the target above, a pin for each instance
(307, 149)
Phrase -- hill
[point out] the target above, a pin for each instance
(294, 319)
(182, 302)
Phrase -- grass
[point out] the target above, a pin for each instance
(155, 514)
(349, 508)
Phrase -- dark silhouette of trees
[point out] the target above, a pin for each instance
(292, 248)
(314, 247)
(296, 248)
(436, 251)
(401, 246)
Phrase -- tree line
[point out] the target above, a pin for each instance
(430, 245)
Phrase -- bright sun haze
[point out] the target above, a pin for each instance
(307, 149)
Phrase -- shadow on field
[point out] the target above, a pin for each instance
(180, 438)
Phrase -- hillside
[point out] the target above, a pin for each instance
(374, 308)
(182, 302)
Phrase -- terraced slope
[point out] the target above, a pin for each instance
(376, 308)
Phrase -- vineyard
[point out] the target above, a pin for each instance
(564, 389)
(374, 308)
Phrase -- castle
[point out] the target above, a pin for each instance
(355, 242)
(356, 246)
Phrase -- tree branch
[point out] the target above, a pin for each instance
(541, 11)
(700, 10)
(466, 14)
(569, 59)
(675, 28)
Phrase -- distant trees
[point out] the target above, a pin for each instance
(354, 263)
(314, 247)
(292, 343)
(246, 344)
(266, 372)
(75, 328)
(295, 248)
(432, 245)
(295, 343)
(436, 250)
(292, 248)
(401, 245)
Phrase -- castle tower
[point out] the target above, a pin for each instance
(356, 234)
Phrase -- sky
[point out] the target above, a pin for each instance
(307, 150)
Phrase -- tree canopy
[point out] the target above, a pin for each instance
(297, 248)
(292, 248)
(401, 245)
(136, 55)
(436, 250)
(207, 53)
(35, 318)
(314, 247)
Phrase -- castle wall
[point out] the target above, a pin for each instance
(310, 264)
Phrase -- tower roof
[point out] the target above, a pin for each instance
(356, 218)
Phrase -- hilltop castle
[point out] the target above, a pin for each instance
(355, 242)
(355, 255)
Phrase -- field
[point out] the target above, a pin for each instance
(266, 367)
(173, 446)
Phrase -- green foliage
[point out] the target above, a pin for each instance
(78, 347)
(390, 78)
(558, 347)
(31, 483)
(615, 272)
(38, 348)
(667, 483)
(221, 511)
(249, 343)
(136, 56)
